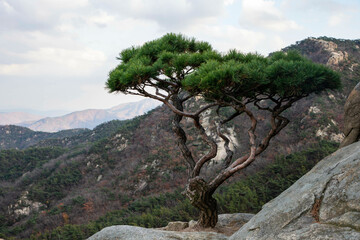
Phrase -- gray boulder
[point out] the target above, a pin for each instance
(227, 224)
(175, 226)
(238, 219)
(139, 233)
(352, 117)
(323, 204)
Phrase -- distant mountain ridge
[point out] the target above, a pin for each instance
(80, 119)
(7, 118)
(89, 118)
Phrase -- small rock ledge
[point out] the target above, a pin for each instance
(139, 233)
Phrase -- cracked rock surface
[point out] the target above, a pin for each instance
(323, 204)
(139, 233)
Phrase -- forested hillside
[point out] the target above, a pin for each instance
(115, 173)
(17, 137)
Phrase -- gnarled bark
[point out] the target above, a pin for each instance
(180, 133)
(200, 196)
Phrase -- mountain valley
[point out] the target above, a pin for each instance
(79, 180)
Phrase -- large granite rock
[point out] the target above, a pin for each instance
(352, 117)
(227, 224)
(323, 204)
(138, 233)
(230, 223)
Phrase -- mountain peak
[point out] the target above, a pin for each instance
(88, 118)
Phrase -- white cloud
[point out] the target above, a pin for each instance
(226, 37)
(62, 4)
(264, 14)
(336, 19)
(170, 15)
(101, 19)
(12, 69)
(7, 7)
(228, 2)
(49, 61)
(21, 41)
(276, 42)
(72, 21)
(35, 14)
(318, 5)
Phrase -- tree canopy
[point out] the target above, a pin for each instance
(171, 60)
(285, 75)
(166, 60)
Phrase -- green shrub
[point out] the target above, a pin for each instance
(14, 163)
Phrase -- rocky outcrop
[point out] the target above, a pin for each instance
(176, 226)
(352, 117)
(233, 220)
(138, 233)
(24, 206)
(323, 204)
(227, 225)
(336, 57)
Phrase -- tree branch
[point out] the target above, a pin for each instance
(252, 137)
(196, 114)
(160, 94)
(180, 133)
(234, 115)
(167, 82)
(229, 153)
(187, 98)
(213, 148)
(241, 162)
(147, 94)
(276, 127)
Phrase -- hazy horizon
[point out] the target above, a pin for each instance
(58, 112)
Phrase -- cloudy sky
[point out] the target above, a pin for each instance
(56, 54)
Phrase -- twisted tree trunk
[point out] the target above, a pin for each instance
(200, 197)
